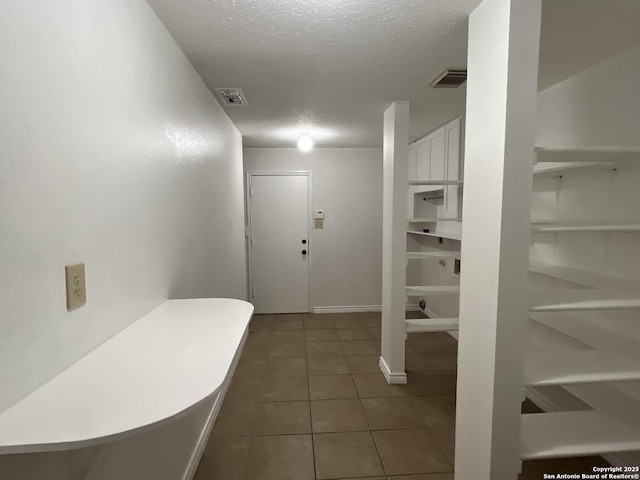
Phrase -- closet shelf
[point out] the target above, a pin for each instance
(554, 169)
(571, 434)
(565, 300)
(449, 235)
(421, 291)
(590, 333)
(152, 372)
(431, 324)
(584, 277)
(578, 366)
(433, 182)
(434, 254)
(587, 154)
(433, 220)
(552, 226)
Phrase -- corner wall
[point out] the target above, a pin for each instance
(346, 270)
(113, 153)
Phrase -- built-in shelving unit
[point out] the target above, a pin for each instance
(580, 311)
(433, 220)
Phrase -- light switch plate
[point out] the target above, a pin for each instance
(76, 289)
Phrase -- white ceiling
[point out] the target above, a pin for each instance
(329, 68)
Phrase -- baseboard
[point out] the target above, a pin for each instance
(392, 378)
(192, 466)
(359, 308)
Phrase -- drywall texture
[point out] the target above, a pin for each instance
(346, 268)
(113, 153)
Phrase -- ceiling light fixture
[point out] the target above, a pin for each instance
(305, 144)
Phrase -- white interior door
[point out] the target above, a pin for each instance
(279, 242)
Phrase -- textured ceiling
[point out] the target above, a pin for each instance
(329, 68)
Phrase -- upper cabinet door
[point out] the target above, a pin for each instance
(437, 148)
(423, 159)
(452, 134)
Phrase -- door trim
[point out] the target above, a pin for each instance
(311, 249)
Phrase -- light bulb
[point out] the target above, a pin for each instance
(305, 143)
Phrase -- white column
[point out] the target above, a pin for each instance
(394, 240)
(501, 95)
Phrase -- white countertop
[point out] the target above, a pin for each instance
(154, 371)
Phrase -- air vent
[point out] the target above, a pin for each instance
(233, 97)
(450, 78)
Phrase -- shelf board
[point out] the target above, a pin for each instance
(574, 434)
(567, 300)
(584, 277)
(590, 333)
(433, 220)
(587, 154)
(423, 291)
(449, 235)
(554, 226)
(119, 390)
(554, 169)
(431, 324)
(433, 254)
(433, 182)
(544, 369)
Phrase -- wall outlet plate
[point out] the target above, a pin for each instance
(76, 289)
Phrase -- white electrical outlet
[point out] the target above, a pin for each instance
(76, 288)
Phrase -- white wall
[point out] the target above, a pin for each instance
(347, 253)
(594, 108)
(113, 153)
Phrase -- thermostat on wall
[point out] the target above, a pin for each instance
(318, 214)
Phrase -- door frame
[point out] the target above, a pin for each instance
(311, 248)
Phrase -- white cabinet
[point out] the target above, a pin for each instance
(437, 158)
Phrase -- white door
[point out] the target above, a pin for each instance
(279, 242)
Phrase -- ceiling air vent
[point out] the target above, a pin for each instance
(450, 78)
(233, 97)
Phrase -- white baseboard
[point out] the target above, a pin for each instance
(192, 466)
(359, 308)
(392, 378)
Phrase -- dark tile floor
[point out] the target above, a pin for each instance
(308, 401)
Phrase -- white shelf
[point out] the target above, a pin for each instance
(554, 169)
(565, 300)
(430, 255)
(431, 324)
(572, 434)
(593, 334)
(434, 182)
(554, 226)
(152, 372)
(584, 277)
(433, 220)
(449, 235)
(587, 154)
(571, 367)
(424, 291)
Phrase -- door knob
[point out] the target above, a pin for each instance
(304, 252)
(304, 242)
